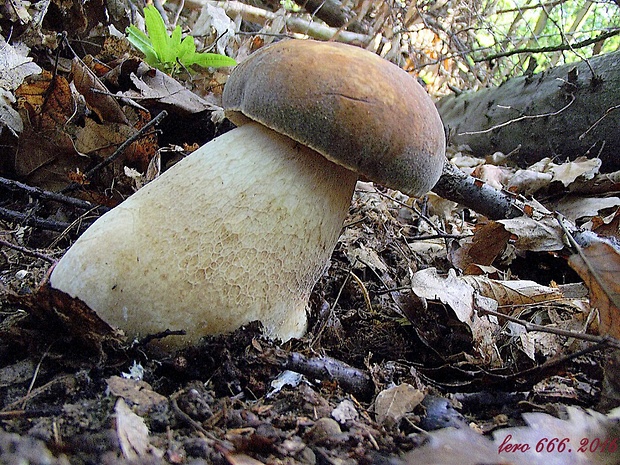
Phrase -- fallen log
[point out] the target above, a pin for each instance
(569, 111)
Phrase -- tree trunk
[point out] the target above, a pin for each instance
(564, 112)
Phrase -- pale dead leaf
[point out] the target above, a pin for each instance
(345, 411)
(528, 182)
(543, 235)
(513, 292)
(559, 442)
(360, 256)
(450, 290)
(576, 208)
(582, 168)
(241, 459)
(138, 393)
(598, 264)
(15, 65)
(494, 176)
(393, 403)
(132, 432)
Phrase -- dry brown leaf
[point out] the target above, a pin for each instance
(393, 403)
(95, 93)
(46, 153)
(608, 226)
(598, 264)
(153, 84)
(488, 242)
(138, 393)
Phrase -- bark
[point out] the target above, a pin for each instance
(565, 112)
(472, 193)
(330, 11)
(294, 23)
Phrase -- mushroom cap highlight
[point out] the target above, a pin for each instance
(355, 108)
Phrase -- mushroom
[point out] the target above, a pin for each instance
(243, 228)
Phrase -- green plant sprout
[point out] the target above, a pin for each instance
(169, 53)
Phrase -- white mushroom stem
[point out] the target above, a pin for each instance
(238, 231)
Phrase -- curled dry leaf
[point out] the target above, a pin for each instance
(487, 243)
(132, 433)
(138, 393)
(536, 235)
(515, 292)
(598, 264)
(393, 403)
(95, 93)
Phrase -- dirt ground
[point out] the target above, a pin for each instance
(232, 400)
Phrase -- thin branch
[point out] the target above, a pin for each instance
(551, 48)
(607, 112)
(48, 195)
(27, 251)
(32, 220)
(607, 340)
(118, 152)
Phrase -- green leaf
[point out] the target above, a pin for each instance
(157, 32)
(141, 41)
(186, 50)
(213, 60)
(168, 52)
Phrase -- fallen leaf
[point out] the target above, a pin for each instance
(345, 411)
(488, 241)
(393, 403)
(598, 263)
(132, 432)
(528, 182)
(450, 290)
(536, 235)
(153, 84)
(513, 292)
(584, 438)
(577, 207)
(95, 93)
(138, 393)
(581, 168)
(15, 65)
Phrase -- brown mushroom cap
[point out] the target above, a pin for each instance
(355, 108)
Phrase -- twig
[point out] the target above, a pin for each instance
(296, 24)
(48, 195)
(31, 220)
(118, 152)
(351, 379)
(27, 251)
(607, 340)
(475, 194)
(609, 110)
(552, 48)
